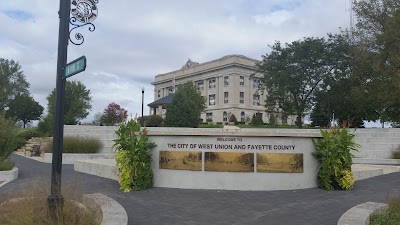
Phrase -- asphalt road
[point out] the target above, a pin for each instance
(181, 206)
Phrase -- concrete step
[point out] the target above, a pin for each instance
(374, 154)
(361, 172)
(99, 167)
(368, 147)
(393, 162)
(379, 135)
(380, 140)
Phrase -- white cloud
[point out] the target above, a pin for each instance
(136, 40)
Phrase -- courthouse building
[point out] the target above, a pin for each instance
(225, 83)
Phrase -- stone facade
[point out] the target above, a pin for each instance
(226, 84)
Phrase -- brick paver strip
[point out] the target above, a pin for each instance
(180, 206)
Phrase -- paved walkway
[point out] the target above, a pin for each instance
(178, 206)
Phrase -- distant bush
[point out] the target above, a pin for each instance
(153, 121)
(256, 120)
(46, 126)
(29, 133)
(77, 145)
(23, 135)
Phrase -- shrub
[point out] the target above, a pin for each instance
(6, 165)
(333, 151)
(77, 145)
(345, 179)
(272, 119)
(153, 121)
(232, 119)
(8, 137)
(256, 120)
(133, 157)
(396, 154)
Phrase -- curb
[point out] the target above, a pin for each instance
(361, 214)
(111, 212)
(8, 176)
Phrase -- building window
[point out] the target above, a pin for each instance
(242, 117)
(211, 83)
(170, 90)
(226, 97)
(241, 98)
(256, 83)
(159, 93)
(226, 80)
(225, 115)
(211, 99)
(241, 80)
(256, 99)
(209, 117)
(200, 86)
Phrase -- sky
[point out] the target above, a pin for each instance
(136, 40)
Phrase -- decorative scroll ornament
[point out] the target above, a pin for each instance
(84, 12)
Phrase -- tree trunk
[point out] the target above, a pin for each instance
(298, 121)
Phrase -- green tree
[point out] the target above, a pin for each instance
(24, 108)
(256, 119)
(113, 114)
(186, 107)
(77, 102)
(97, 118)
(292, 73)
(12, 82)
(319, 114)
(377, 40)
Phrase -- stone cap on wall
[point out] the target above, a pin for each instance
(173, 131)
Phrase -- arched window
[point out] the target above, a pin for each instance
(242, 117)
(225, 115)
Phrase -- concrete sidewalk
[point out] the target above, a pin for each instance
(179, 206)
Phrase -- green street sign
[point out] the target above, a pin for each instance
(74, 67)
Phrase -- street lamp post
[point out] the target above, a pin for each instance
(142, 105)
(328, 88)
(86, 14)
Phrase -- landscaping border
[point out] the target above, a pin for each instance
(361, 214)
(111, 211)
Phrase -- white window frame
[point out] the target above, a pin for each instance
(211, 83)
(241, 80)
(225, 117)
(256, 100)
(256, 83)
(241, 98)
(200, 86)
(209, 117)
(211, 99)
(226, 80)
(226, 97)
